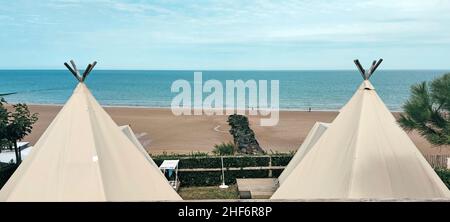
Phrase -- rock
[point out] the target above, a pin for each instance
(243, 135)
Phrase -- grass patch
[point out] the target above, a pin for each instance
(212, 192)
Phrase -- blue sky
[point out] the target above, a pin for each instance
(228, 34)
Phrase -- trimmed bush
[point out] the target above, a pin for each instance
(281, 160)
(276, 173)
(200, 178)
(445, 176)
(213, 178)
(192, 162)
(200, 162)
(246, 161)
(6, 171)
(215, 161)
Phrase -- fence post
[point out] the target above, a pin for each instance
(448, 163)
(270, 165)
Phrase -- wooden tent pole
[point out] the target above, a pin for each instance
(72, 71)
(86, 72)
(360, 68)
(76, 72)
(366, 75)
(74, 67)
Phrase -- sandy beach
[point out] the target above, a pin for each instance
(161, 131)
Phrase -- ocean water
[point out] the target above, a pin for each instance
(320, 90)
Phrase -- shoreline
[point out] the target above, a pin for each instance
(161, 131)
(166, 107)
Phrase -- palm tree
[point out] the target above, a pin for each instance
(427, 110)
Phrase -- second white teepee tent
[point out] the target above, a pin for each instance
(363, 154)
(84, 156)
(313, 136)
(126, 129)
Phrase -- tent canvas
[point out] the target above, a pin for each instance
(313, 136)
(363, 154)
(84, 156)
(129, 133)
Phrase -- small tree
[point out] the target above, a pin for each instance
(428, 110)
(14, 126)
(20, 125)
(3, 123)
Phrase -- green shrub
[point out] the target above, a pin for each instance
(246, 161)
(231, 176)
(213, 178)
(6, 171)
(200, 162)
(204, 178)
(444, 175)
(276, 173)
(194, 162)
(281, 160)
(215, 161)
(224, 149)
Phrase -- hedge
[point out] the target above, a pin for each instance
(192, 162)
(445, 176)
(281, 160)
(276, 173)
(246, 161)
(211, 178)
(6, 171)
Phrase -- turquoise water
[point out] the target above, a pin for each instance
(321, 90)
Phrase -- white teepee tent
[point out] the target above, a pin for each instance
(84, 156)
(126, 129)
(363, 154)
(313, 136)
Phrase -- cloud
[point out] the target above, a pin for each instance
(222, 26)
(64, 3)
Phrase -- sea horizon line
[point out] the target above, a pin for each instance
(221, 70)
(168, 108)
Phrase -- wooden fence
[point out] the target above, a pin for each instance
(436, 161)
